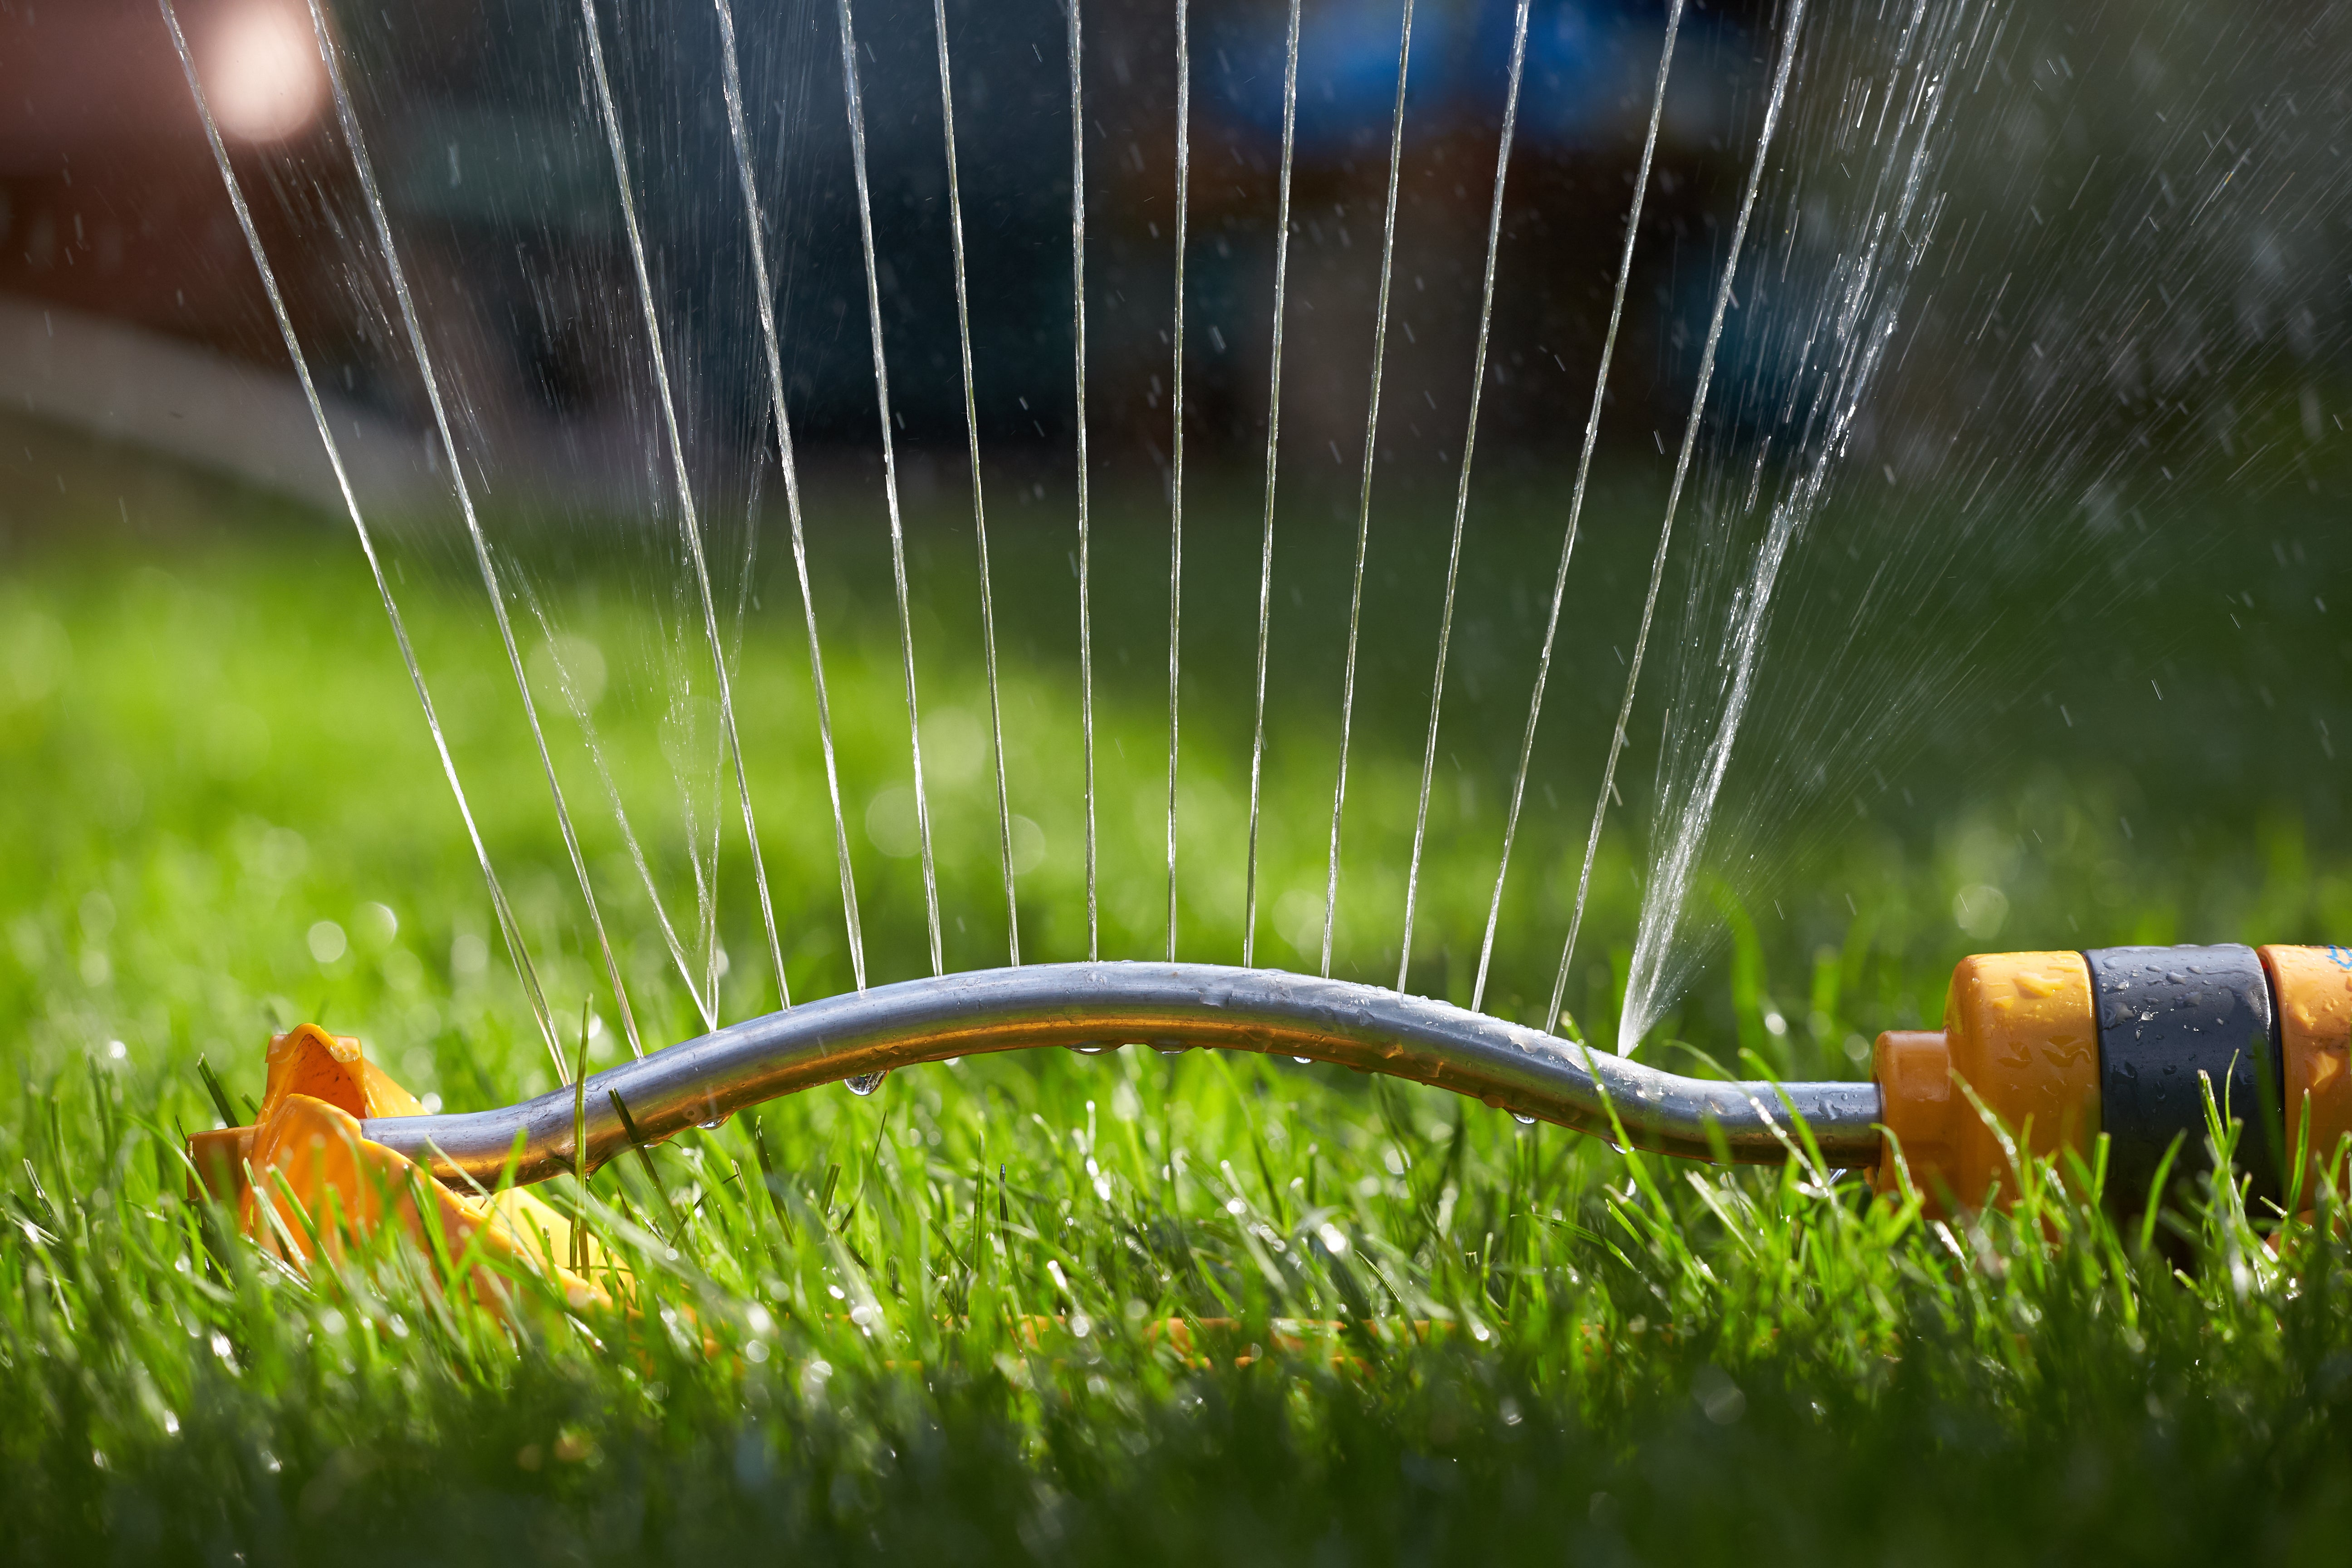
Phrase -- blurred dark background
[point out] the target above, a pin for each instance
(110, 206)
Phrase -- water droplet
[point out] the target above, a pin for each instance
(1090, 1050)
(1303, 1061)
(865, 1083)
(1523, 1120)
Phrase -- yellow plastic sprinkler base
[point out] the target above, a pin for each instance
(2313, 987)
(2041, 1052)
(304, 1180)
(2019, 1042)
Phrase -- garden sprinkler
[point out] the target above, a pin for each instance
(2041, 1053)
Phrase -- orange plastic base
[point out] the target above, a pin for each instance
(303, 1180)
(2313, 987)
(2014, 1072)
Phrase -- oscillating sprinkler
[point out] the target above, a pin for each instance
(2041, 1053)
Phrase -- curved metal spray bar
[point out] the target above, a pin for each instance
(1171, 1006)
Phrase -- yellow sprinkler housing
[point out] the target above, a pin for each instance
(304, 1179)
(2041, 1052)
(2018, 1041)
(2314, 989)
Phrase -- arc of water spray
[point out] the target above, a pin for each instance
(688, 524)
(705, 1002)
(1273, 443)
(1078, 329)
(1794, 27)
(1176, 473)
(1576, 498)
(1462, 487)
(979, 508)
(890, 475)
(510, 929)
(1364, 494)
(348, 115)
(1860, 347)
(743, 585)
(733, 86)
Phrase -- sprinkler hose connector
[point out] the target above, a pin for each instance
(2041, 1052)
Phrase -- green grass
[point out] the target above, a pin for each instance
(207, 749)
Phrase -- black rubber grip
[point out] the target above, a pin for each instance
(2166, 1015)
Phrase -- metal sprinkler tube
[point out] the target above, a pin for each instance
(1172, 1007)
(2041, 1053)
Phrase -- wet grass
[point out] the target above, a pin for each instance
(936, 1322)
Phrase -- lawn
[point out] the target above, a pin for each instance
(1047, 1306)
